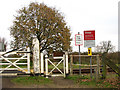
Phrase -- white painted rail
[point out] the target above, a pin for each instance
(7, 63)
(55, 66)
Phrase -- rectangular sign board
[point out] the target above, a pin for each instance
(78, 39)
(89, 38)
(89, 51)
(89, 43)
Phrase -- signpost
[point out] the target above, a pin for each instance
(90, 54)
(89, 41)
(78, 39)
(78, 42)
(89, 51)
(89, 38)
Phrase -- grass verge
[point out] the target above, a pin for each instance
(110, 82)
(31, 80)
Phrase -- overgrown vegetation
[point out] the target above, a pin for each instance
(110, 82)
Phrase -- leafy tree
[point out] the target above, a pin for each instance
(43, 22)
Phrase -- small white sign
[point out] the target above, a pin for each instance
(89, 43)
(78, 39)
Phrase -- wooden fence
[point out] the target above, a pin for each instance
(96, 66)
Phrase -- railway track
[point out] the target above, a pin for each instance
(87, 70)
(75, 71)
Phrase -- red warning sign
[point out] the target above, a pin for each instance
(89, 38)
(89, 35)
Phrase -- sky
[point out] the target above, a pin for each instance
(80, 15)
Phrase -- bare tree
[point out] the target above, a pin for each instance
(4, 42)
(105, 46)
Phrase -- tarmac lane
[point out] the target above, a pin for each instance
(6, 82)
(0, 83)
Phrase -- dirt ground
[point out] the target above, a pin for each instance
(58, 82)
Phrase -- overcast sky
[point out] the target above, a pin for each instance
(80, 15)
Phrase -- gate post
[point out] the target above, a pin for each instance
(66, 59)
(42, 64)
(71, 65)
(103, 67)
(64, 66)
(28, 60)
(46, 66)
(36, 53)
(98, 65)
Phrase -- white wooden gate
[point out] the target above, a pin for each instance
(63, 59)
(15, 63)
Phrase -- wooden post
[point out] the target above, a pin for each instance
(46, 64)
(96, 74)
(42, 64)
(97, 69)
(71, 65)
(66, 59)
(28, 60)
(103, 68)
(98, 66)
(36, 53)
(64, 67)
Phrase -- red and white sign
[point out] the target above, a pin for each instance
(89, 38)
(89, 35)
(78, 39)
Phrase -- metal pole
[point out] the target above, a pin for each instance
(90, 66)
(79, 59)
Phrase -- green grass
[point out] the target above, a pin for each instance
(31, 80)
(83, 80)
(75, 77)
(110, 82)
